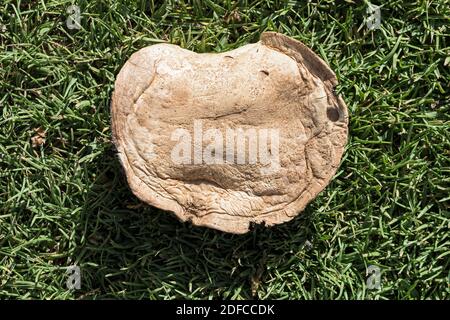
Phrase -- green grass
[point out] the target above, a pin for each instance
(67, 202)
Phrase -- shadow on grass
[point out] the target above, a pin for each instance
(127, 249)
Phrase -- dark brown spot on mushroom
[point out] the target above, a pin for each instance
(333, 114)
(265, 72)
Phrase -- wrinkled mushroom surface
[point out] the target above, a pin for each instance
(177, 116)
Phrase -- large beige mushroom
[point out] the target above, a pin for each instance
(228, 139)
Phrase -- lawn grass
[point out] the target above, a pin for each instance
(65, 201)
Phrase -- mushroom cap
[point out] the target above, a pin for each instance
(228, 139)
